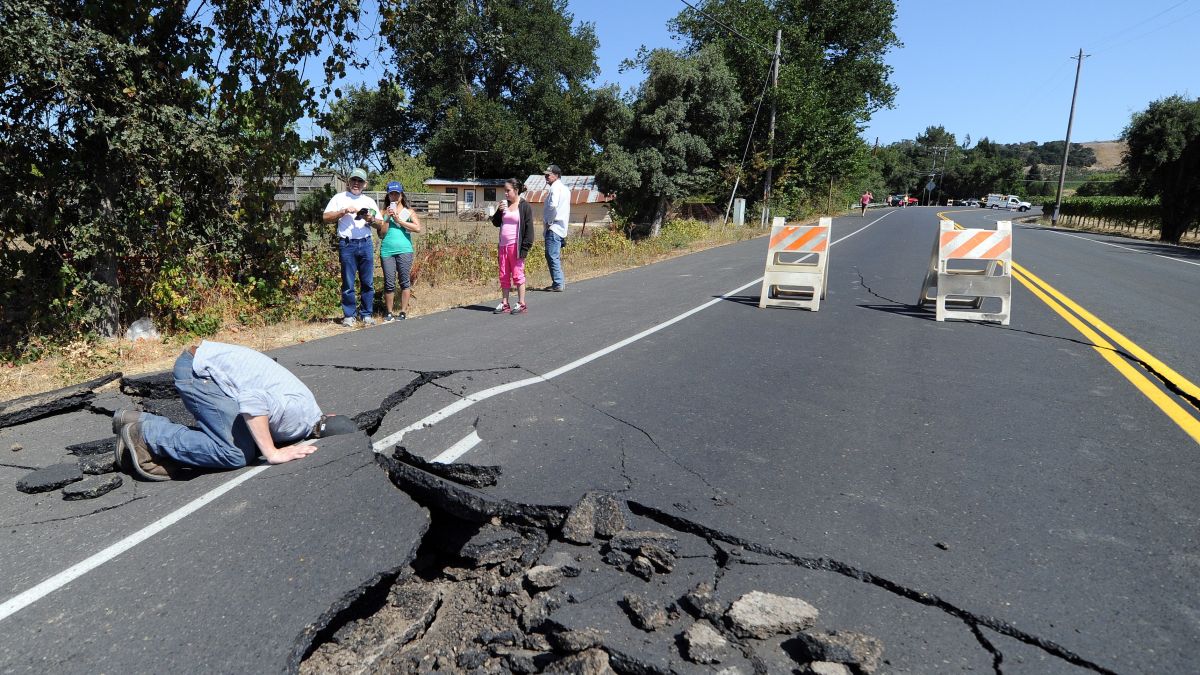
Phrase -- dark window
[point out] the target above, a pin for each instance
(489, 194)
(451, 191)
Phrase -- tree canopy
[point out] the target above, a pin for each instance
(833, 77)
(1163, 160)
(680, 122)
(150, 127)
(508, 77)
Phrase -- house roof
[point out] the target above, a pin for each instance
(583, 190)
(464, 182)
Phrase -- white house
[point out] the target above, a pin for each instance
(475, 193)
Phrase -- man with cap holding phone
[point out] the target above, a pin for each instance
(556, 213)
(355, 214)
(246, 406)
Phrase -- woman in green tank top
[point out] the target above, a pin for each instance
(396, 249)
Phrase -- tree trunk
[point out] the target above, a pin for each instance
(105, 271)
(659, 213)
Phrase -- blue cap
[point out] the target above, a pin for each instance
(395, 186)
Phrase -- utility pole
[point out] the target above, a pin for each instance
(766, 210)
(1062, 173)
(474, 155)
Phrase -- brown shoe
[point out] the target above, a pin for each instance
(125, 416)
(135, 456)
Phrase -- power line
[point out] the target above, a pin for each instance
(729, 28)
(1101, 43)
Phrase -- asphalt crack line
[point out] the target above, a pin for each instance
(77, 516)
(357, 369)
(971, 619)
(20, 466)
(997, 657)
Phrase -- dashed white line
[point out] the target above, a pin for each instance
(458, 449)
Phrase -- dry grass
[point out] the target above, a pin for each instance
(1108, 154)
(82, 361)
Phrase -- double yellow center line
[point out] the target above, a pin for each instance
(1121, 353)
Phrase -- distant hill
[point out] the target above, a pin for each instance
(1108, 154)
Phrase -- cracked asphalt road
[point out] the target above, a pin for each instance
(1013, 504)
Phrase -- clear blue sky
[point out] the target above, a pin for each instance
(997, 69)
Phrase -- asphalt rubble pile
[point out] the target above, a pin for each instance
(502, 587)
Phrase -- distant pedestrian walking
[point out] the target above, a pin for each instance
(514, 217)
(396, 249)
(556, 214)
(355, 215)
(865, 200)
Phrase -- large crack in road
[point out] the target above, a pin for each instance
(604, 583)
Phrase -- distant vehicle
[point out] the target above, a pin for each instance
(970, 202)
(898, 200)
(1008, 202)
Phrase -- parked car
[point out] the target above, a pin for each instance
(970, 202)
(899, 200)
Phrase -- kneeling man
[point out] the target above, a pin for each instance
(246, 405)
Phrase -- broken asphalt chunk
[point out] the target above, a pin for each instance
(50, 478)
(825, 668)
(642, 567)
(461, 501)
(91, 487)
(100, 446)
(154, 386)
(465, 474)
(703, 643)
(862, 653)
(95, 465)
(631, 541)
(37, 406)
(760, 615)
(543, 577)
(575, 640)
(699, 601)
(659, 557)
(596, 514)
(493, 545)
(644, 614)
(589, 662)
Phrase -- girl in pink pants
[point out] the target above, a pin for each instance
(514, 217)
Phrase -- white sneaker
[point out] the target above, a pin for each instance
(348, 322)
(368, 321)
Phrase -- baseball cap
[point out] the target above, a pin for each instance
(395, 186)
(359, 173)
(335, 425)
(553, 168)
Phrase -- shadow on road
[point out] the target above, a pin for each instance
(910, 311)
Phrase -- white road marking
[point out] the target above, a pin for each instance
(458, 449)
(471, 399)
(26, 598)
(19, 602)
(1124, 248)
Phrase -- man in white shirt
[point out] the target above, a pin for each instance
(556, 213)
(355, 215)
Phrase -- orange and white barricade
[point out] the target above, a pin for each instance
(967, 267)
(797, 259)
